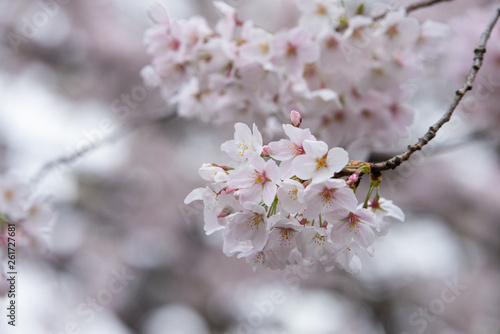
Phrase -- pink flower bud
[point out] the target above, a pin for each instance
(265, 150)
(354, 177)
(295, 118)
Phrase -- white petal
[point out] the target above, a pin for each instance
(304, 167)
(337, 159)
(315, 149)
(194, 195)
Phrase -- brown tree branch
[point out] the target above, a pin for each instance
(422, 4)
(134, 124)
(413, 7)
(459, 94)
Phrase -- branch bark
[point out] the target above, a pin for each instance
(459, 94)
(134, 124)
(413, 7)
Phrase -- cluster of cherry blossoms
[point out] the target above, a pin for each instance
(338, 65)
(280, 204)
(24, 215)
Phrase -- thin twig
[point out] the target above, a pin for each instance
(479, 52)
(134, 124)
(413, 7)
(410, 8)
(422, 4)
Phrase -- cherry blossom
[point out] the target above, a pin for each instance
(256, 180)
(274, 219)
(327, 196)
(244, 142)
(358, 226)
(334, 63)
(27, 210)
(250, 224)
(318, 163)
(386, 212)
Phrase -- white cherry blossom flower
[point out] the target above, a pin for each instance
(314, 244)
(291, 196)
(293, 49)
(256, 46)
(244, 143)
(318, 163)
(319, 15)
(14, 194)
(257, 180)
(327, 196)
(209, 198)
(347, 226)
(282, 238)
(347, 257)
(260, 259)
(250, 225)
(286, 150)
(386, 213)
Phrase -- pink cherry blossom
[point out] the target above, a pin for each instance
(318, 163)
(327, 196)
(282, 238)
(293, 49)
(314, 244)
(250, 224)
(347, 226)
(286, 150)
(257, 180)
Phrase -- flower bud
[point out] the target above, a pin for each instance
(265, 150)
(295, 118)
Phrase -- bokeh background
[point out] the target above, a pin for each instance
(121, 216)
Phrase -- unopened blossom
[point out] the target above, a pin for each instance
(318, 163)
(295, 118)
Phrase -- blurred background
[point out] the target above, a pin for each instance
(127, 256)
